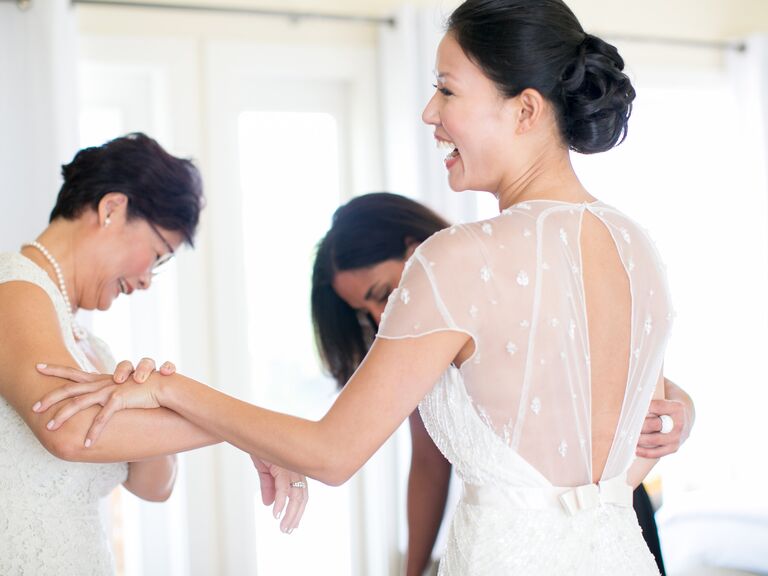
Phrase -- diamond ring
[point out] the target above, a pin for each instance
(298, 484)
(667, 424)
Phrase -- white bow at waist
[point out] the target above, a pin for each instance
(614, 491)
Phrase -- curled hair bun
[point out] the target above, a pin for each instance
(596, 96)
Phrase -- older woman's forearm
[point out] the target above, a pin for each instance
(152, 479)
(132, 435)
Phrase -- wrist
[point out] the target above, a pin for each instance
(160, 389)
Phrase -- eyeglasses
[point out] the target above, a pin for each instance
(163, 258)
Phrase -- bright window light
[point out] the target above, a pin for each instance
(290, 173)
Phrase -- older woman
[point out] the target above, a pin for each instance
(123, 210)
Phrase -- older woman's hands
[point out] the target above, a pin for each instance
(89, 389)
(132, 388)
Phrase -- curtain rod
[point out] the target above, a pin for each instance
(297, 16)
(20, 4)
(242, 10)
(683, 42)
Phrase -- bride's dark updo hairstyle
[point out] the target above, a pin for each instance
(540, 44)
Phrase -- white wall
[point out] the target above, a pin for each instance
(38, 129)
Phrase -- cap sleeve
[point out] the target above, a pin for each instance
(435, 289)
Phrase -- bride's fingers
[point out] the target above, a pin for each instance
(304, 501)
(76, 405)
(281, 499)
(122, 371)
(68, 373)
(167, 368)
(69, 391)
(295, 508)
(144, 368)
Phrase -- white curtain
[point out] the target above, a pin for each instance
(413, 164)
(38, 113)
(716, 512)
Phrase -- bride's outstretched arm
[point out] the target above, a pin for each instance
(386, 388)
(31, 330)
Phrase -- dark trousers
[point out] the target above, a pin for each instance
(645, 516)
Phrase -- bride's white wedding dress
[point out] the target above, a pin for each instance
(515, 418)
(49, 508)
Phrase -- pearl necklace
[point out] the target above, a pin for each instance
(78, 332)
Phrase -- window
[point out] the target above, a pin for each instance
(289, 167)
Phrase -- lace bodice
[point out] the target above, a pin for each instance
(49, 522)
(514, 284)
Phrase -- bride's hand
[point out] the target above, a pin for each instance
(281, 487)
(144, 368)
(88, 389)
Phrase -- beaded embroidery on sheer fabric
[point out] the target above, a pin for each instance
(515, 418)
(50, 521)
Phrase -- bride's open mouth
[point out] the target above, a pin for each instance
(454, 153)
(452, 156)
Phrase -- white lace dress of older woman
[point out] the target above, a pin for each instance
(515, 418)
(49, 508)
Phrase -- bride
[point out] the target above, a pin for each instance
(532, 342)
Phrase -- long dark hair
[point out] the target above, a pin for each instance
(540, 44)
(365, 231)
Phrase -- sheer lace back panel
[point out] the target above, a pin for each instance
(515, 284)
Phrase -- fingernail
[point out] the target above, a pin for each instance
(50, 425)
(36, 407)
(290, 531)
(278, 515)
(41, 366)
(87, 442)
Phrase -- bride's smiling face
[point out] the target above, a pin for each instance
(472, 120)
